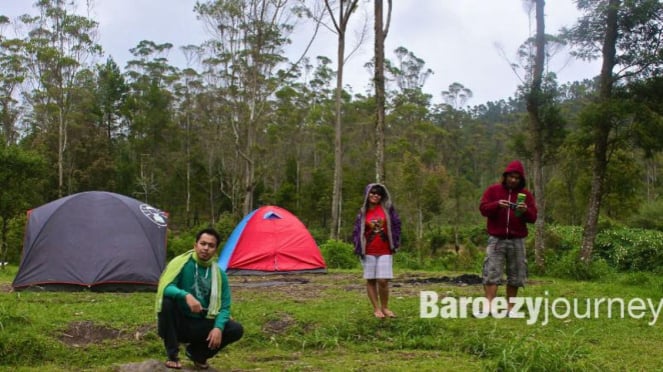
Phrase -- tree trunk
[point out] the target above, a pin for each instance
(457, 216)
(341, 25)
(534, 103)
(379, 93)
(247, 154)
(338, 154)
(187, 214)
(210, 181)
(62, 143)
(601, 133)
(3, 243)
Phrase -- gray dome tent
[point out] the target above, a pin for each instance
(93, 240)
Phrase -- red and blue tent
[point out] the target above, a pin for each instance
(271, 240)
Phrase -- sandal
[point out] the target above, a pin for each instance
(196, 364)
(200, 365)
(173, 364)
(388, 313)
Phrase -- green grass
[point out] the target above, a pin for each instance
(327, 325)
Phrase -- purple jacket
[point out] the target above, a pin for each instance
(393, 222)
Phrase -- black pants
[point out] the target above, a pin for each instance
(175, 328)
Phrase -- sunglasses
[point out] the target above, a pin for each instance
(376, 192)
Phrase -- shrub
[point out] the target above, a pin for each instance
(563, 238)
(441, 236)
(180, 243)
(183, 240)
(559, 240)
(569, 266)
(406, 260)
(618, 248)
(15, 235)
(225, 226)
(339, 255)
(320, 235)
(650, 216)
(606, 223)
(475, 234)
(631, 249)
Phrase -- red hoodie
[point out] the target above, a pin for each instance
(503, 222)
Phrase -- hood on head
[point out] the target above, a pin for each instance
(386, 197)
(515, 167)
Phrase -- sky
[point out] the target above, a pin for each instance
(470, 42)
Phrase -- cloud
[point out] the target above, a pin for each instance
(456, 38)
(124, 23)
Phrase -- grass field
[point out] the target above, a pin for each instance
(323, 322)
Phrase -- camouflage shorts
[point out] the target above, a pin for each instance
(511, 252)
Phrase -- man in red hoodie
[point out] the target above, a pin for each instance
(507, 219)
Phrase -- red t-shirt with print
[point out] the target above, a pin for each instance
(377, 240)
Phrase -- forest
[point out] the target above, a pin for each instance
(245, 126)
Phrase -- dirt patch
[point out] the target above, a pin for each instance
(272, 283)
(304, 287)
(465, 279)
(296, 287)
(278, 326)
(86, 332)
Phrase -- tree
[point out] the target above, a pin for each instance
(59, 44)
(249, 36)
(345, 10)
(111, 95)
(20, 175)
(457, 151)
(625, 34)
(148, 110)
(12, 73)
(409, 73)
(188, 89)
(304, 140)
(534, 106)
(381, 30)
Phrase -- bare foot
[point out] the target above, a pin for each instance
(378, 314)
(388, 313)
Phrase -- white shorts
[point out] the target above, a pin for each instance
(377, 267)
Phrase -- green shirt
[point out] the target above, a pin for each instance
(197, 280)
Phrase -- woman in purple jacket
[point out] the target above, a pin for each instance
(377, 236)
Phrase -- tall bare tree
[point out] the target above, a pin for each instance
(12, 74)
(455, 98)
(536, 125)
(59, 45)
(601, 131)
(381, 31)
(345, 10)
(248, 43)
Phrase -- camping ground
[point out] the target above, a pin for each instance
(322, 322)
